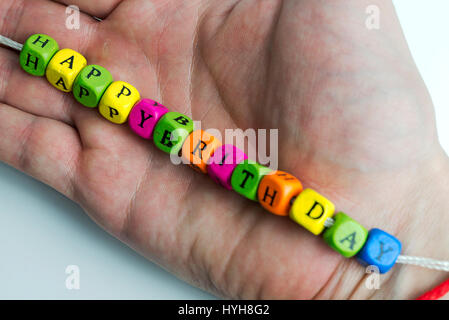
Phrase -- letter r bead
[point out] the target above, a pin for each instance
(311, 210)
(198, 148)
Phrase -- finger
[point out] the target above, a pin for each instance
(43, 148)
(18, 20)
(21, 18)
(98, 8)
(36, 96)
(31, 94)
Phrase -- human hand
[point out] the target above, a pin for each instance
(355, 123)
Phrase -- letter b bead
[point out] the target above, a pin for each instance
(171, 132)
(277, 190)
(311, 210)
(117, 101)
(37, 53)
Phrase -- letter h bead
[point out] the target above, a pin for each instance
(37, 53)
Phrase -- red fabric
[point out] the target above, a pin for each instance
(437, 292)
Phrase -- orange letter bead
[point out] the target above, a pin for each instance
(198, 148)
(277, 190)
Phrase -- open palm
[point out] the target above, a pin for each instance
(355, 123)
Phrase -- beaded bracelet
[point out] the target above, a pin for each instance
(278, 192)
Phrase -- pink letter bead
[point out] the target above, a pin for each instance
(144, 116)
(223, 162)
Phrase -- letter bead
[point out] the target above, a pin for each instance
(63, 69)
(117, 101)
(90, 85)
(198, 148)
(144, 116)
(381, 250)
(171, 131)
(223, 162)
(346, 236)
(36, 54)
(310, 210)
(246, 178)
(276, 192)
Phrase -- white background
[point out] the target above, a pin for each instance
(41, 232)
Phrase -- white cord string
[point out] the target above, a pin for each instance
(417, 261)
(329, 222)
(424, 262)
(10, 43)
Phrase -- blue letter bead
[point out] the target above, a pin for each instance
(381, 250)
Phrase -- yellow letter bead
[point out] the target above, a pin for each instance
(63, 69)
(117, 101)
(310, 210)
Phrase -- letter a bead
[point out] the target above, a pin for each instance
(381, 250)
(310, 210)
(63, 69)
(246, 178)
(171, 132)
(223, 162)
(345, 236)
(198, 148)
(90, 85)
(144, 116)
(276, 192)
(37, 53)
(117, 101)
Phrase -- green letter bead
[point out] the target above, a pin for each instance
(37, 53)
(90, 84)
(346, 236)
(246, 178)
(171, 131)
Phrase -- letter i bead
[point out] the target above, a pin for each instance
(277, 190)
(144, 116)
(90, 85)
(223, 162)
(311, 210)
(37, 53)
(63, 69)
(117, 101)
